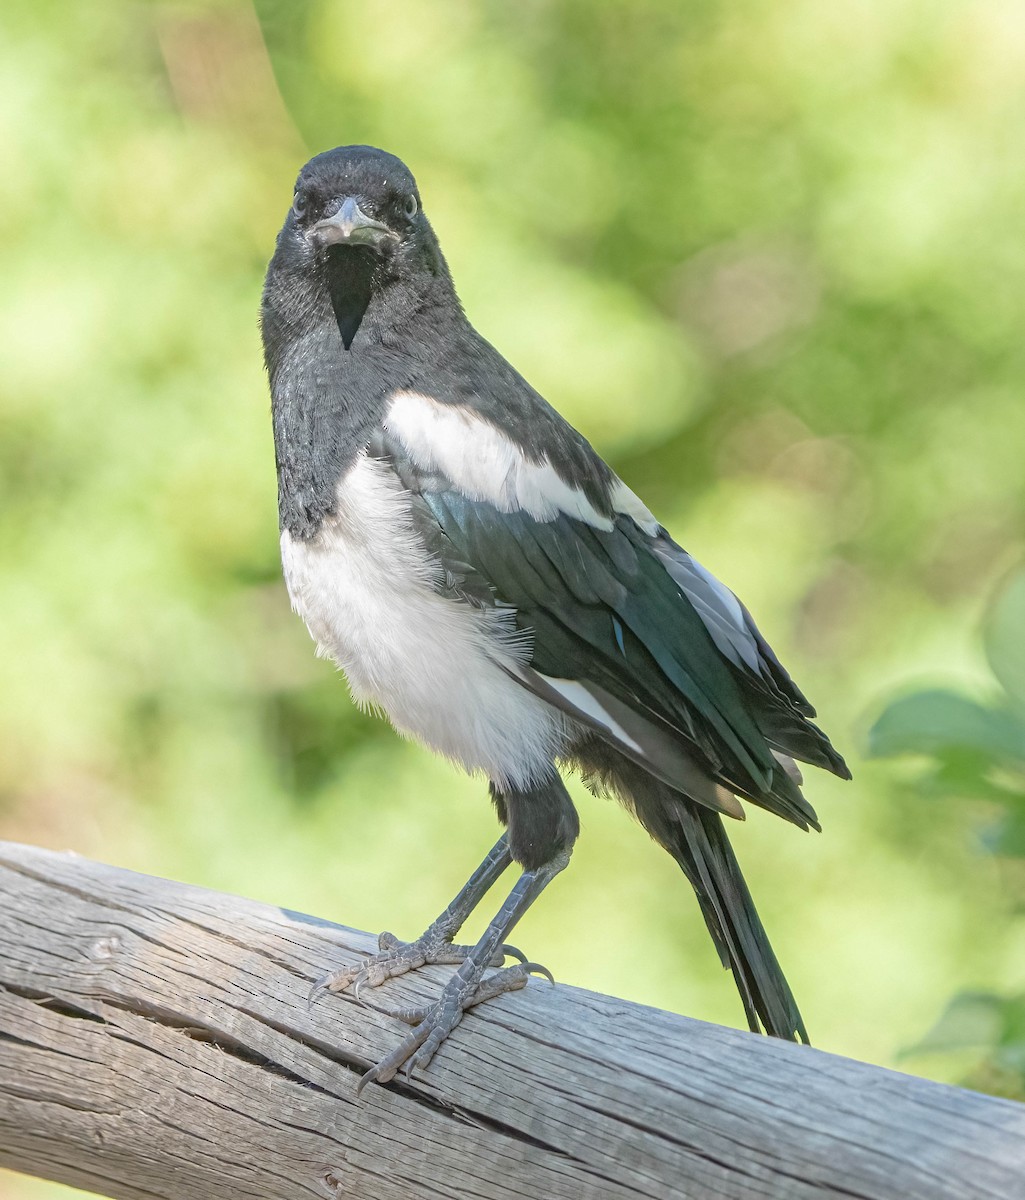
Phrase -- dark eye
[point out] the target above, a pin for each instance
(409, 208)
(299, 205)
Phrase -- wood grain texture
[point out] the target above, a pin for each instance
(155, 1041)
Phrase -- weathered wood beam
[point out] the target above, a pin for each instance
(155, 1041)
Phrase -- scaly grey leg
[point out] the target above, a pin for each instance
(441, 1018)
(434, 945)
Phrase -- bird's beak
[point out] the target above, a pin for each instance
(350, 226)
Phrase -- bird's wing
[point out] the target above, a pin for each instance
(629, 634)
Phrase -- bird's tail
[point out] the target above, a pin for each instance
(703, 850)
(695, 837)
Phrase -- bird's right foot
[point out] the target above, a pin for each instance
(395, 958)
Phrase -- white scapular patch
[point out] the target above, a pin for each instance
(439, 668)
(482, 462)
(630, 505)
(486, 465)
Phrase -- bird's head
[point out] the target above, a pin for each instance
(355, 243)
(358, 200)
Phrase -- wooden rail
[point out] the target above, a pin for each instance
(155, 1041)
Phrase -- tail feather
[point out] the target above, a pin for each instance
(706, 857)
(695, 837)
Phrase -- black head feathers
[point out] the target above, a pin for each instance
(356, 195)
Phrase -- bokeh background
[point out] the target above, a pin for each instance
(768, 254)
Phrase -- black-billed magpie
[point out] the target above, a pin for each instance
(485, 579)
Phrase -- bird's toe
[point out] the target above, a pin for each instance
(334, 981)
(433, 1023)
(396, 958)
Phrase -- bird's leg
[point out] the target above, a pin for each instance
(465, 988)
(435, 944)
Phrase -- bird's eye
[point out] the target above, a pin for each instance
(299, 205)
(409, 208)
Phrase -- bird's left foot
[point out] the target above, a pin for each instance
(434, 1022)
(396, 958)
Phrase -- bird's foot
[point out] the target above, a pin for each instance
(434, 1022)
(397, 958)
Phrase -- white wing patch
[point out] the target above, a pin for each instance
(482, 462)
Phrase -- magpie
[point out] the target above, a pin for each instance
(486, 581)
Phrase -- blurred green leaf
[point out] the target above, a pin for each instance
(978, 752)
(1005, 638)
(1007, 835)
(938, 722)
(987, 1031)
(971, 1020)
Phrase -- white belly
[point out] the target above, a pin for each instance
(363, 586)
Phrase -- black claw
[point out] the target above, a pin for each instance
(534, 968)
(318, 989)
(512, 952)
(367, 1077)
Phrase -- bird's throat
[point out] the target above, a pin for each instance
(350, 273)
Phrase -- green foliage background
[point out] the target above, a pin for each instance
(767, 254)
